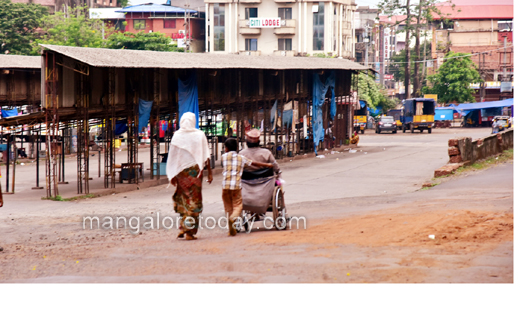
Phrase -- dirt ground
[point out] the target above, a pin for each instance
(367, 221)
(386, 241)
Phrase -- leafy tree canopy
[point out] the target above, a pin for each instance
(452, 80)
(369, 90)
(74, 29)
(18, 26)
(141, 41)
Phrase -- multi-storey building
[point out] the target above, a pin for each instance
(365, 23)
(180, 24)
(482, 28)
(281, 27)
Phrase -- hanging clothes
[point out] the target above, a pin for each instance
(189, 97)
(121, 127)
(145, 108)
(318, 98)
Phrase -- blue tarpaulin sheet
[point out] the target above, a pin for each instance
(376, 112)
(318, 98)
(287, 115)
(189, 97)
(9, 113)
(442, 114)
(121, 127)
(145, 107)
(465, 108)
(362, 103)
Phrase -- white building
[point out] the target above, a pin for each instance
(280, 27)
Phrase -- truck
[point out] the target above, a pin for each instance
(418, 114)
(360, 117)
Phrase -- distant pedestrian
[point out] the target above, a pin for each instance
(234, 164)
(189, 153)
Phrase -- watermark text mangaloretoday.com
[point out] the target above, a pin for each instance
(136, 224)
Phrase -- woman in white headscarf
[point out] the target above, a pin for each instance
(189, 153)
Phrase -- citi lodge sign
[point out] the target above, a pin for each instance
(265, 23)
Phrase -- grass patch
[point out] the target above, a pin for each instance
(483, 164)
(60, 198)
(505, 156)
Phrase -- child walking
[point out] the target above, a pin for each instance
(234, 164)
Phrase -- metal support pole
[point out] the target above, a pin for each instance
(7, 162)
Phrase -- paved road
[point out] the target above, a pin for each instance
(382, 177)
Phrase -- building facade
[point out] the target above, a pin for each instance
(281, 27)
(186, 26)
(484, 29)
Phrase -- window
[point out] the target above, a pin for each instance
(219, 26)
(284, 44)
(139, 24)
(285, 13)
(506, 25)
(318, 27)
(120, 25)
(251, 13)
(251, 44)
(170, 23)
(446, 25)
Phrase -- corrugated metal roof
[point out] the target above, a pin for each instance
(197, 5)
(105, 13)
(175, 60)
(11, 61)
(153, 7)
(478, 9)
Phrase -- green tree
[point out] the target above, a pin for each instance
(397, 64)
(18, 25)
(154, 41)
(451, 82)
(123, 3)
(417, 17)
(73, 28)
(388, 103)
(369, 90)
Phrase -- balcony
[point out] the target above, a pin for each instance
(250, 53)
(250, 1)
(284, 53)
(283, 1)
(346, 26)
(288, 28)
(243, 26)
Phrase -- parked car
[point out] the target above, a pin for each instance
(386, 123)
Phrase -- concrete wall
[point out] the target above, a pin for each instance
(467, 150)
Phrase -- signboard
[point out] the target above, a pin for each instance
(378, 66)
(389, 77)
(265, 22)
(506, 86)
(387, 43)
(431, 96)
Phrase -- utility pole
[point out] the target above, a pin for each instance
(366, 41)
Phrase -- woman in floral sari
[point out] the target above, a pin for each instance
(188, 155)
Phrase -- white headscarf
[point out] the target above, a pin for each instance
(189, 146)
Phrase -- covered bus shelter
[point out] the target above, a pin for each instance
(292, 100)
(20, 85)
